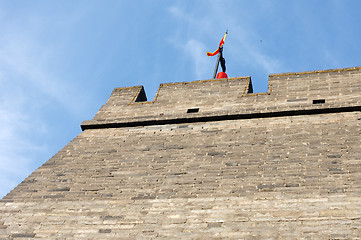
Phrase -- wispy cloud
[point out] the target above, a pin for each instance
(195, 51)
(15, 124)
(28, 85)
(245, 50)
(24, 57)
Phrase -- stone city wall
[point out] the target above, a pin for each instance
(239, 170)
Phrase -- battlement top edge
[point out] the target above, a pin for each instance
(316, 71)
(186, 82)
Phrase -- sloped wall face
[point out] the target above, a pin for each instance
(283, 177)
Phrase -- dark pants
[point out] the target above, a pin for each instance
(222, 60)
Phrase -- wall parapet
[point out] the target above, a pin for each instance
(221, 98)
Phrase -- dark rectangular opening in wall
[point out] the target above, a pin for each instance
(193, 110)
(318, 101)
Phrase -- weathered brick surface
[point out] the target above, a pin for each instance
(285, 177)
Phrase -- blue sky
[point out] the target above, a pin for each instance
(60, 60)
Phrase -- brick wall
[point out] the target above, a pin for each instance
(294, 176)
